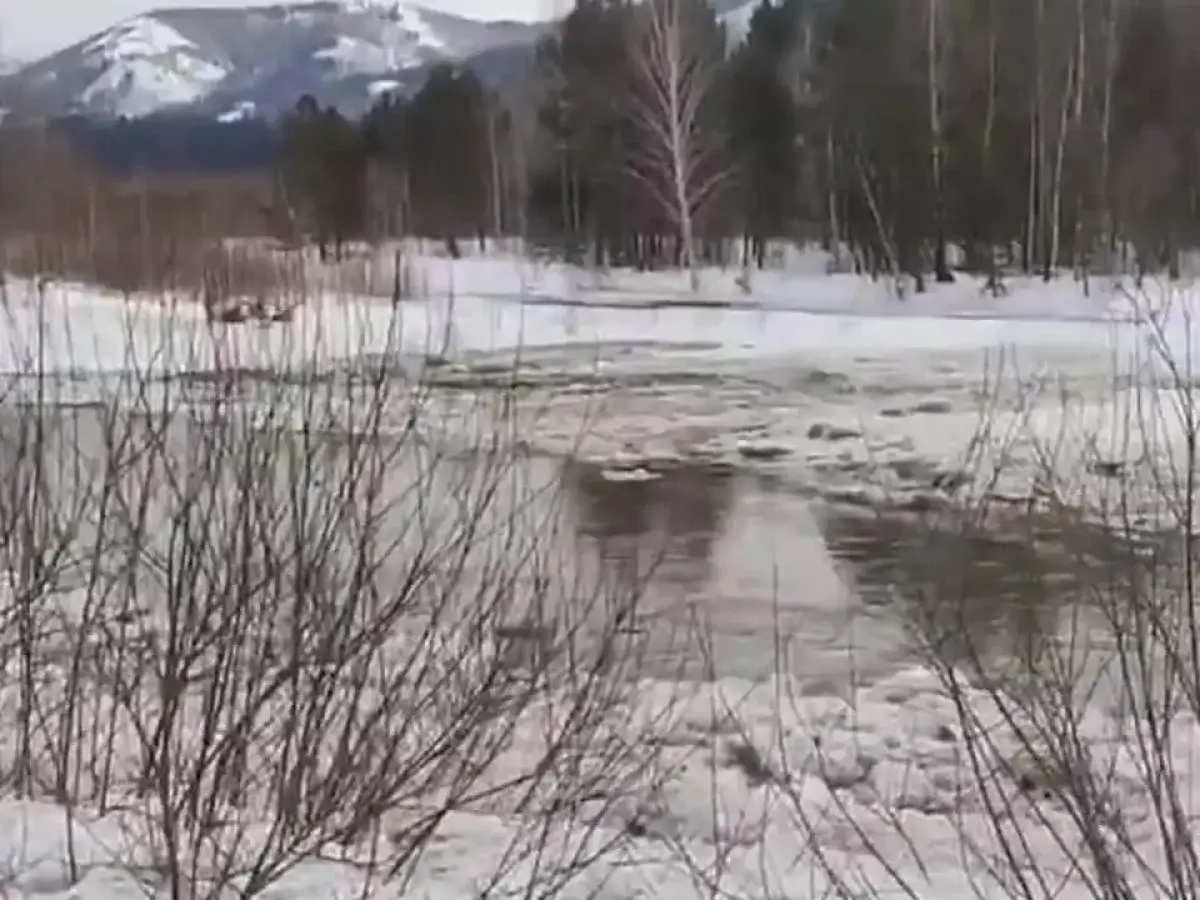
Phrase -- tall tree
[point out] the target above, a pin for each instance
(584, 66)
(764, 127)
(874, 94)
(385, 141)
(323, 173)
(447, 125)
(679, 152)
(935, 37)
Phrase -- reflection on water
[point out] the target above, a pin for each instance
(834, 581)
(964, 593)
(666, 526)
(758, 568)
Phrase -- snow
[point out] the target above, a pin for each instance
(382, 86)
(139, 87)
(136, 38)
(240, 111)
(146, 66)
(409, 18)
(872, 780)
(510, 11)
(830, 380)
(354, 56)
(399, 41)
(737, 23)
(402, 17)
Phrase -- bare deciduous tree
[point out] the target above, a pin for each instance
(338, 636)
(677, 156)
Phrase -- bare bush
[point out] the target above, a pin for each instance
(1054, 762)
(259, 617)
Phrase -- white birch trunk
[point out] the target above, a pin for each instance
(675, 76)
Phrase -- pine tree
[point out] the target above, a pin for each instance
(447, 128)
(385, 143)
(584, 68)
(323, 173)
(764, 127)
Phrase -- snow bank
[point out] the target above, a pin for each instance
(73, 328)
(768, 792)
(801, 280)
(831, 380)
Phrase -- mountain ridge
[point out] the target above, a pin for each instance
(250, 60)
(255, 61)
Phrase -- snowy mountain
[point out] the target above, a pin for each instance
(254, 60)
(257, 61)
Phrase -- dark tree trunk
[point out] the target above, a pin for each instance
(941, 266)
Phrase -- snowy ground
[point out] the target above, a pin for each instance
(826, 382)
(829, 381)
(872, 786)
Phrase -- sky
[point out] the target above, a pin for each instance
(32, 28)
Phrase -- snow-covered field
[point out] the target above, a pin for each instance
(829, 381)
(873, 787)
(760, 789)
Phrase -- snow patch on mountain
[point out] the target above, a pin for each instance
(358, 6)
(239, 112)
(413, 23)
(382, 86)
(408, 19)
(139, 87)
(136, 38)
(401, 39)
(145, 65)
(354, 56)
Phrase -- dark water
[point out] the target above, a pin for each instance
(737, 576)
(839, 589)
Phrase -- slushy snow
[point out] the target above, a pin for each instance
(774, 793)
(827, 379)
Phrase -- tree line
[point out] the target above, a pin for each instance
(918, 136)
(169, 144)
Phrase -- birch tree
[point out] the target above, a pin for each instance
(933, 35)
(676, 60)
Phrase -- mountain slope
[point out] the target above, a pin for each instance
(233, 63)
(223, 61)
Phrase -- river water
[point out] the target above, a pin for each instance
(735, 514)
(768, 513)
(835, 592)
(736, 573)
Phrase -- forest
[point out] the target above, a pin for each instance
(917, 137)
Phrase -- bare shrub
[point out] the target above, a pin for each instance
(1056, 761)
(68, 221)
(254, 617)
